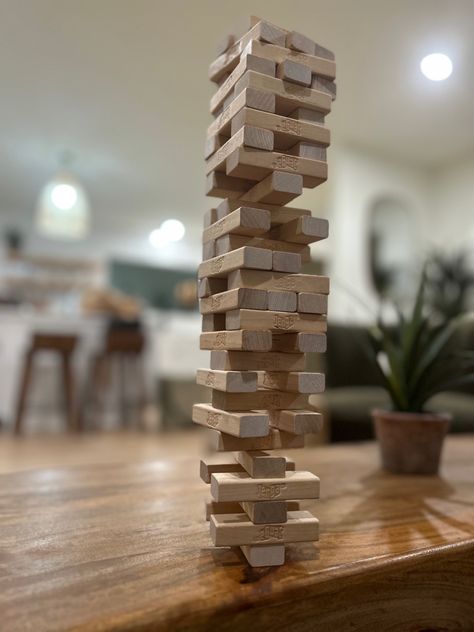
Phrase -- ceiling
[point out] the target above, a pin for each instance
(122, 84)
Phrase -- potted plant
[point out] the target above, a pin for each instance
(416, 361)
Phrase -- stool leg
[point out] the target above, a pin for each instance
(23, 392)
(69, 392)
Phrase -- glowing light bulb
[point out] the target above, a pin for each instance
(436, 66)
(172, 230)
(64, 196)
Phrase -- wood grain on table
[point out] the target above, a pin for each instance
(126, 547)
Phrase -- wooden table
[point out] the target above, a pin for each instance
(125, 547)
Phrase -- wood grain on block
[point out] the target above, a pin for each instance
(260, 464)
(255, 320)
(243, 221)
(247, 136)
(250, 98)
(236, 340)
(247, 62)
(265, 511)
(208, 287)
(281, 301)
(213, 322)
(306, 115)
(288, 96)
(246, 257)
(213, 143)
(286, 262)
(279, 281)
(237, 424)
(210, 216)
(220, 185)
(325, 53)
(300, 342)
(259, 556)
(257, 361)
(293, 71)
(293, 381)
(208, 250)
(237, 529)
(279, 214)
(240, 486)
(297, 421)
(279, 187)
(303, 230)
(324, 85)
(312, 303)
(252, 164)
(286, 131)
(275, 440)
(232, 242)
(297, 41)
(260, 400)
(230, 381)
(308, 150)
(233, 299)
(218, 463)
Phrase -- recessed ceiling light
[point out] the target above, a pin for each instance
(436, 66)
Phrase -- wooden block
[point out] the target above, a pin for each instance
(286, 261)
(247, 62)
(240, 486)
(208, 287)
(237, 529)
(213, 143)
(260, 400)
(288, 96)
(221, 508)
(259, 464)
(304, 230)
(293, 381)
(230, 381)
(255, 320)
(279, 187)
(264, 555)
(266, 511)
(297, 41)
(232, 242)
(208, 250)
(276, 440)
(233, 299)
(218, 463)
(297, 421)
(220, 185)
(210, 216)
(308, 150)
(308, 116)
(281, 301)
(256, 361)
(300, 342)
(237, 340)
(237, 424)
(279, 281)
(251, 98)
(213, 322)
(320, 51)
(279, 214)
(294, 72)
(252, 164)
(324, 85)
(312, 303)
(246, 257)
(247, 136)
(243, 221)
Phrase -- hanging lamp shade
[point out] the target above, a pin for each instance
(63, 209)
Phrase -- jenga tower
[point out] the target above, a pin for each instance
(261, 316)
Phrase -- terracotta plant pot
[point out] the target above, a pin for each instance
(410, 443)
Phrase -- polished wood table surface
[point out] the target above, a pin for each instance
(125, 547)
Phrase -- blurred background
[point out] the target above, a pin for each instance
(104, 111)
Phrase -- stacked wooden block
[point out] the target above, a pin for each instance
(261, 315)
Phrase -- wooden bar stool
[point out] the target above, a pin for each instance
(63, 346)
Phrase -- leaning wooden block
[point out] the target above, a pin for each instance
(312, 303)
(213, 322)
(232, 242)
(299, 42)
(279, 187)
(220, 185)
(247, 136)
(281, 301)
(308, 150)
(236, 340)
(265, 511)
(279, 281)
(275, 440)
(262, 555)
(243, 221)
(230, 381)
(303, 230)
(297, 422)
(208, 287)
(259, 464)
(260, 400)
(286, 262)
(256, 361)
(279, 214)
(256, 320)
(218, 463)
(240, 486)
(237, 424)
(233, 299)
(294, 72)
(293, 381)
(301, 342)
(251, 98)
(246, 257)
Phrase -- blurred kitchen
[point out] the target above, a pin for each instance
(104, 111)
